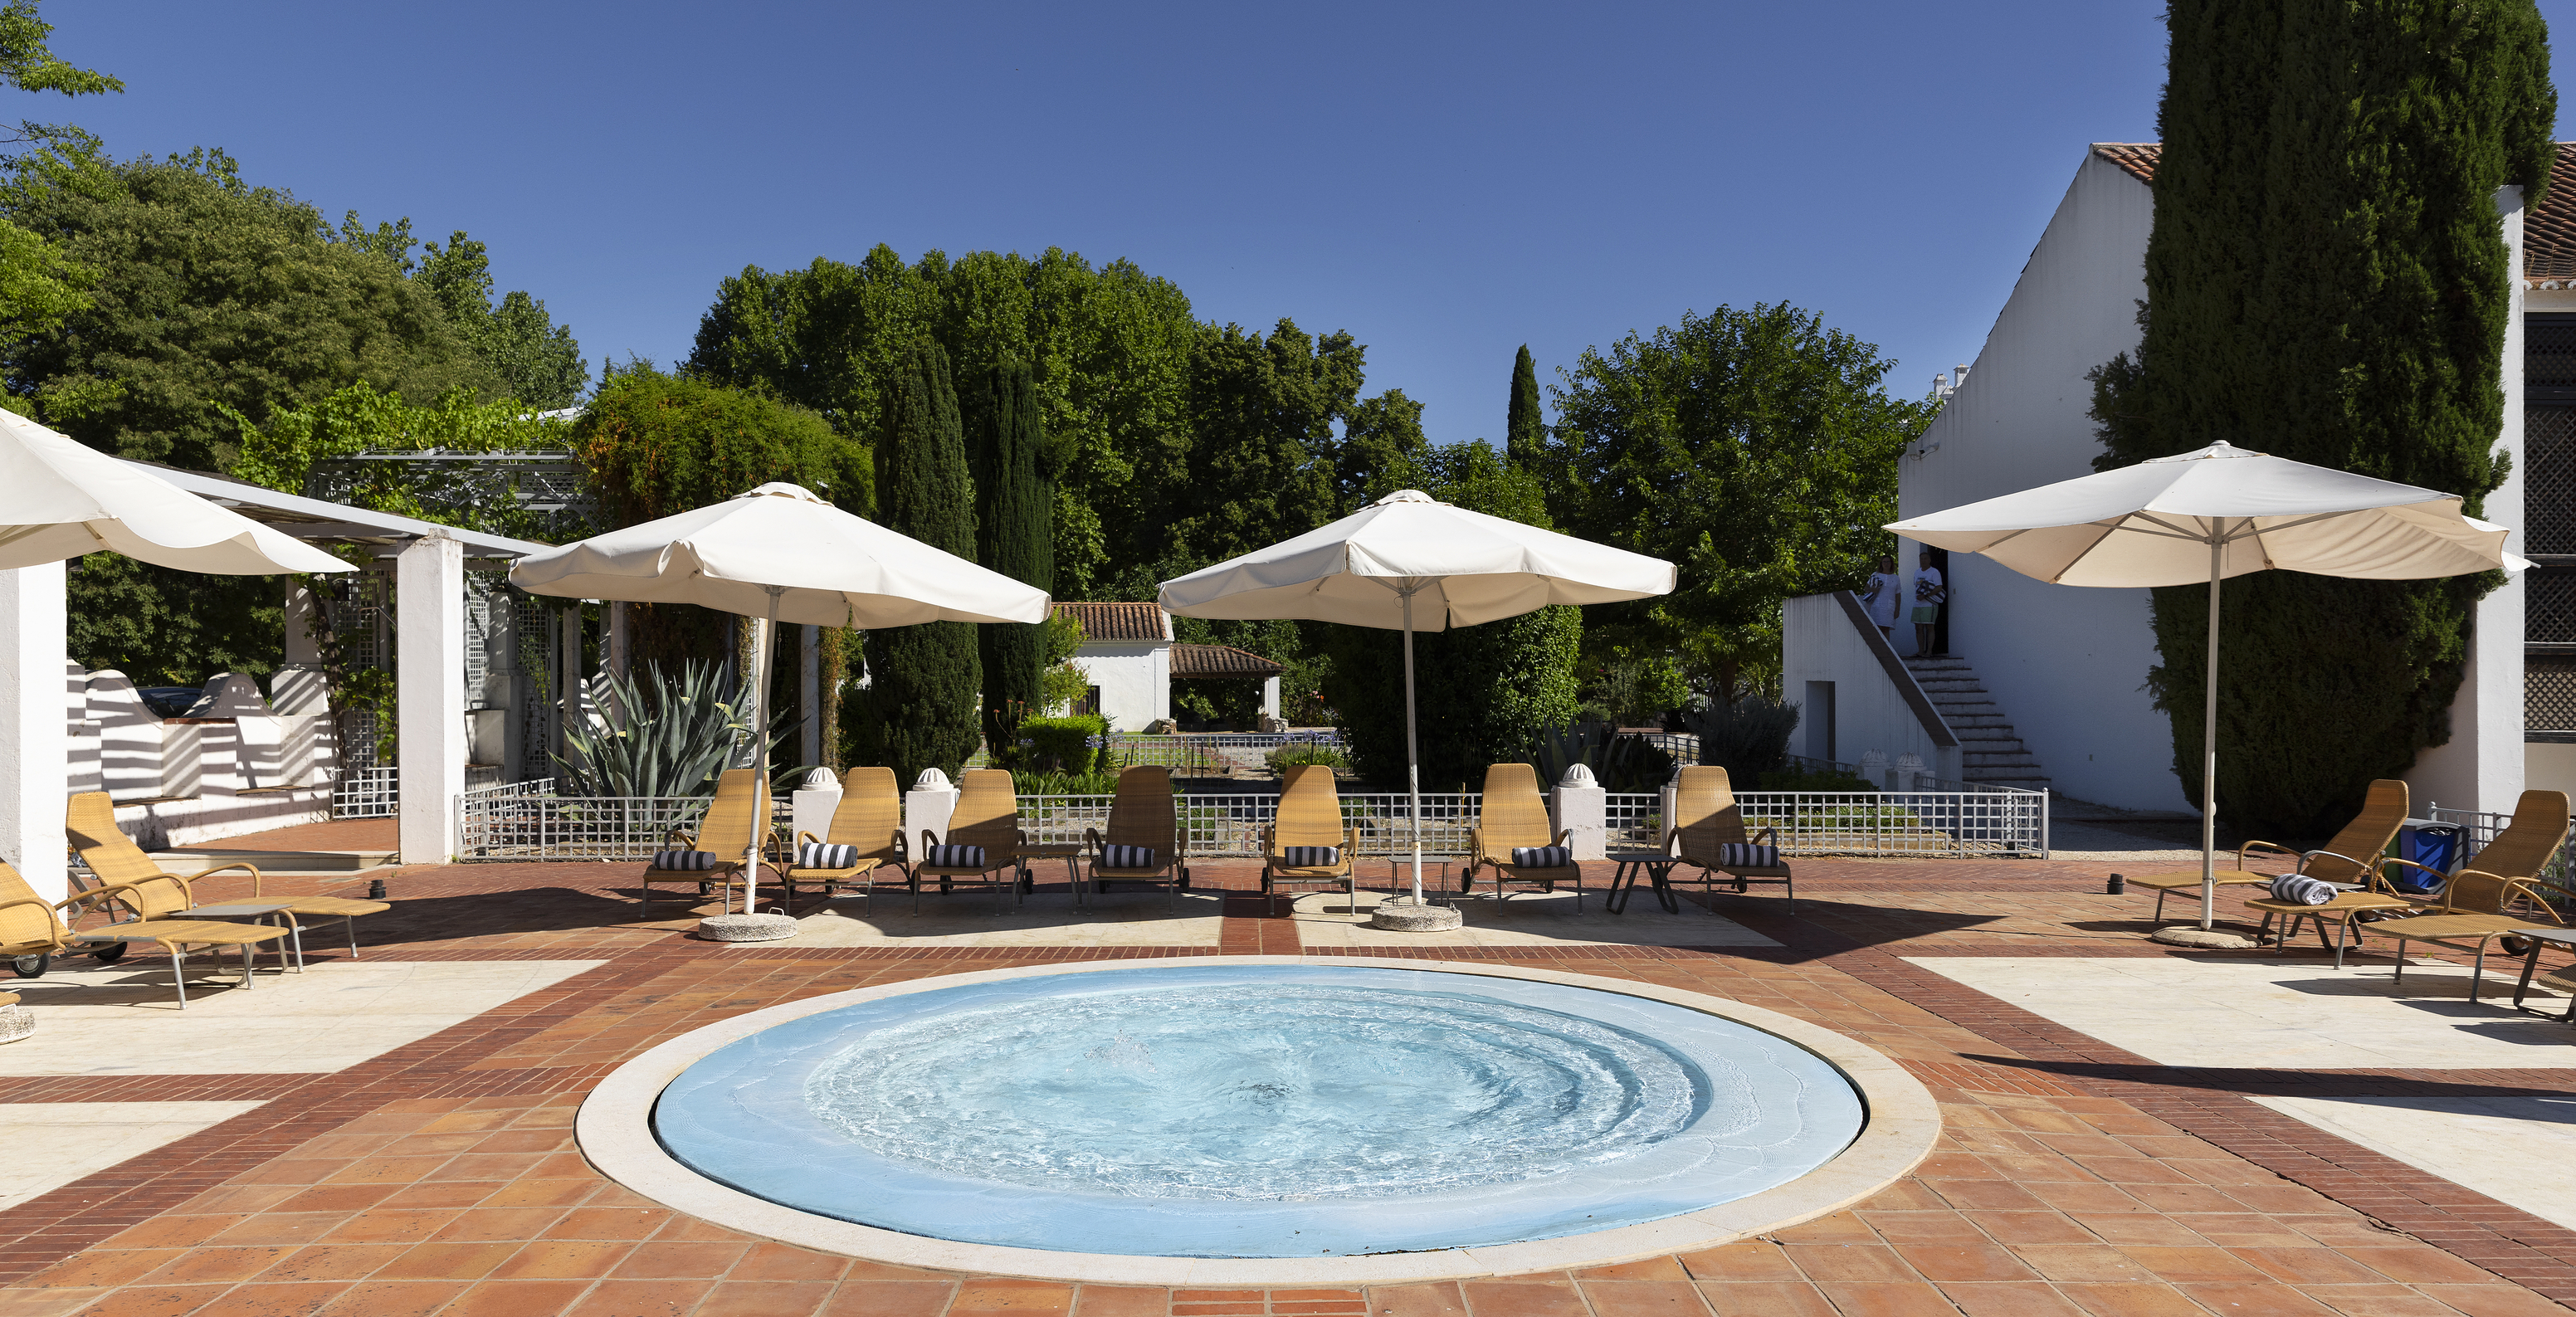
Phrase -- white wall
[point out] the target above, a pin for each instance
(1135, 681)
(2549, 766)
(1819, 643)
(2483, 766)
(2067, 665)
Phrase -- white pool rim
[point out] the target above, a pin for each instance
(1903, 1122)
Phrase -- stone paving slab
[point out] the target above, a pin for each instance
(2075, 1176)
(51, 1144)
(2515, 1149)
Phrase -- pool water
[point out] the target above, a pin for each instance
(1257, 1111)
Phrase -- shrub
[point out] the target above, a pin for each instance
(1618, 763)
(1820, 779)
(1747, 738)
(1297, 756)
(1069, 744)
(1027, 783)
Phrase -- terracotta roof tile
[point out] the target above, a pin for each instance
(2549, 230)
(1220, 661)
(2139, 158)
(1118, 621)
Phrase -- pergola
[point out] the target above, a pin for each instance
(428, 563)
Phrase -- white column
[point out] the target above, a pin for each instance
(430, 695)
(568, 676)
(1581, 805)
(1270, 696)
(809, 690)
(34, 747)
(927, 807)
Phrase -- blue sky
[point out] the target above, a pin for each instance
(1446, 183)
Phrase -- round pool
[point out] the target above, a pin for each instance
(1256, 1111)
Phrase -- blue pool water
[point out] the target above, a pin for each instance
(1257, 1111)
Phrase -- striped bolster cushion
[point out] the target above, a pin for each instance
(1746, 855)
(1542, 857)
(825, 855)
(683, 859)
(2299, 889)
(1126, 857)
(1311, 857)
(954, 857)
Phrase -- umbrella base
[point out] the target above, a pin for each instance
(2185, 935)
(746, 928)
(1401, 915)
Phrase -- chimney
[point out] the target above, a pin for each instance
(1959, 377)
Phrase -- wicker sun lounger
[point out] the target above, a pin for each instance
(988, 815)
(89, 823)
(1310, 815)
(869, 818)
(2352, 857)
(737, 817)
(1707, 822)
(2498, 895)
(1141, 815)
(21, 909)
(1515, 818)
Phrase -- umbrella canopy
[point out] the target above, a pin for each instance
(780, 553)
(60, 498)
(2205, 516)
(2151, 524)
(1409, 562)
(831, 568)
(1471, 568)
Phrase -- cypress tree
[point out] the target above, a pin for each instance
(1014, 520)
(1525, 433)
(2327, 281)
(922, 680)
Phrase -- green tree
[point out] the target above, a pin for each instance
(40, 286)
(919, 710)
(213, 294)
(1108, 348)
(1525, 429)
(1382, 450)
(2327, 281)
(534, 360)
(1012, 507)
(652, 445)
(1482, 693)
(1261, 412)
(1753, 449)
(283, 454)
(27, 64)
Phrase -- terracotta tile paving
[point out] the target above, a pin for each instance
(2073, 1177)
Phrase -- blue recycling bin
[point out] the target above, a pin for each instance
(2436, 846)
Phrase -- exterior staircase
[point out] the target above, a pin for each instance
(1990, 752)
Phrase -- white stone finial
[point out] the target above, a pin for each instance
(931, 779)
(821, 779)
(1579, 775)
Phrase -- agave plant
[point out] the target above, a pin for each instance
(661, 737)
(1619, 763)
(1747, 738)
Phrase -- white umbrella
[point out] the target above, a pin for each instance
(1368, 568)
(60, 498)
(2207, 515)
(781, 553)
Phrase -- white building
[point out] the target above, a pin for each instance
(1128, 653)
(2048, 686)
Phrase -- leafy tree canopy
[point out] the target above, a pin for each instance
(1754, 449)
(214, 294)
(534, 359)
(282, 455)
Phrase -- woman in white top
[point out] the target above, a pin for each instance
(1929, 595)
(1881, 598)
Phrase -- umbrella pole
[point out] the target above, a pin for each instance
(763, 651)
(2209, 738)
(1412, 751)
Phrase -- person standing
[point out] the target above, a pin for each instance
(1886, 591)
(1930, 592)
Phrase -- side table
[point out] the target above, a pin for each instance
(1070, 853)
(2531, 962)
(259, 911)
(1658, 867)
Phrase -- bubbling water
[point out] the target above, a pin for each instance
(1272, 1091)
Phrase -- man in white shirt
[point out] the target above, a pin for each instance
(1930, 593)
